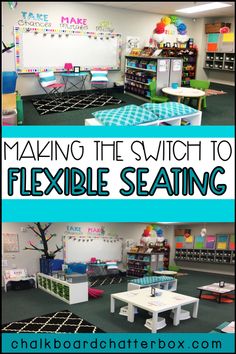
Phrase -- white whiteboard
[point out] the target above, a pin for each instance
(82, 249)
(36, 51)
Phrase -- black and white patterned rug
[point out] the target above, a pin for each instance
(58, 322)
(100, 281)
(71, 103)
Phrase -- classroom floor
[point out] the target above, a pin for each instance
(23, 304)
(219, 111)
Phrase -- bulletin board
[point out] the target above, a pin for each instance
(179, 242)
(232, 242)
(222, 242)
(227, 42)
(83, 248)
(199, 242)
(220, 42)
(41, 49)
(212, 42)
(189, 241)
(210, 242)
(10, 243)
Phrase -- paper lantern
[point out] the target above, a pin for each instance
(146, 233)
(149, 227)
(153, 234)
(166, 20)
(182, 38)
(173, 19)
(181, 27)
(177, 22)
(160, 239)
(145, 240)
(159, 37)
(159, 232)
(160, 28)
(225, 30)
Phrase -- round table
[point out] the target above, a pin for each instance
(182, 92)
(166, 272)
(79, 84)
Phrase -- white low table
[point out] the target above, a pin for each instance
(182, 92)
(167, 301)
(214, 288)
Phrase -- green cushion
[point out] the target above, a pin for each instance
(160, 99)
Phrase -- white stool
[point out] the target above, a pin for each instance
(161, 323)
(124, 311)
(184, 314)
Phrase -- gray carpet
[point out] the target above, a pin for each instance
(18, 305)
(220, 110)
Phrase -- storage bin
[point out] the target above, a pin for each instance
(22, 284)
(9, 118)
(77, 267)
(56, 264)
(76, 278)
(46, 265)
(8, 101)
(9, 81)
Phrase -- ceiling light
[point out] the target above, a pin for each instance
(202, 8)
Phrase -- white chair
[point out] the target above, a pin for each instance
(49, 84)
(99, 79)
(17, 275)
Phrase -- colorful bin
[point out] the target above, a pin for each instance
(9, 81)
(9, 117)
(8, 102)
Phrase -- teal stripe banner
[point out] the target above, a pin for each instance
(117, 210)
(125, 132)
(119, 343)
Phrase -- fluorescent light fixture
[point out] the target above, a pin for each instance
(202, 8)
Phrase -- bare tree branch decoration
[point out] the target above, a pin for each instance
(41, 233)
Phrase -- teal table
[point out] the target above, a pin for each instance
(97, 269)
(79, 83)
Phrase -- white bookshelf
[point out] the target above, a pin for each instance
(71, 293)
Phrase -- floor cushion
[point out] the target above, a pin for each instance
(169, 110)
(125, 116)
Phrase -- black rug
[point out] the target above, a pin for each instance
(57, 322)
(100, 281)
(71, 103)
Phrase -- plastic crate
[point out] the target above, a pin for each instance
(46, 265)
(9, 81)
(78, 267)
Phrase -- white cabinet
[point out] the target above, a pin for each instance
(140, 71)
(72, 293)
